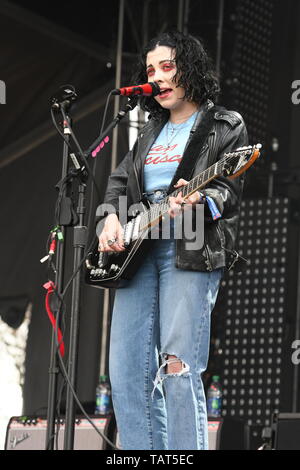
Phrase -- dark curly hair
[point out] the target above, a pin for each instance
(194, 73)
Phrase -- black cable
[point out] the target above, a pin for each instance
(66, 377)
(61, 296)
(62, 365)
(62, 386)
(92, 195)
(105, 112)
(57, 429)
(58, 343)
(81, 153)
(59, 130)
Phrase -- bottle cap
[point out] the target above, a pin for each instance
(215, 378)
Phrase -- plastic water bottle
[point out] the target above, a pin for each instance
(214, 398)
(103, 397)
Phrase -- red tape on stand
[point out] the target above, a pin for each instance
(49, 286)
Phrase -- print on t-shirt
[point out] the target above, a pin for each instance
(162, 160)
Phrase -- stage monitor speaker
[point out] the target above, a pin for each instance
(227, 434)
(223, 434)
(286, 431)
(29, 433)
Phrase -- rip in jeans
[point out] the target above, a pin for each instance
(185, 371)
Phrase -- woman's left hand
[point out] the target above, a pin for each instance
(178, 203)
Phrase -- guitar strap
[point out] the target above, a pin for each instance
(204, 124)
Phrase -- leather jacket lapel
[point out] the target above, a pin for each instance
(145, 141)
(195, 146)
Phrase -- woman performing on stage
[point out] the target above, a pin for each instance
(160, 333)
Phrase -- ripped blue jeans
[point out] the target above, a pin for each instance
(163, 311)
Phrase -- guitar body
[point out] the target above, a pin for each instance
(108, 269)
(127, 263)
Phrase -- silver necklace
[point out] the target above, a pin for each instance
(174, 132)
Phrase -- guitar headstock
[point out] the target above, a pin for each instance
(237, 162)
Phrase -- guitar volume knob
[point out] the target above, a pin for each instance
(114, 269)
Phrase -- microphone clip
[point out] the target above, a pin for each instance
(129, 106)
(63, 98)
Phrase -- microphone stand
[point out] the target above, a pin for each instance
(79, 243)
(121, 114)
(59, 275)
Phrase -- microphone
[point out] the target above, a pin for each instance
(148, 89)
(64, 97)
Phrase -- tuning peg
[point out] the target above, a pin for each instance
(227, 169)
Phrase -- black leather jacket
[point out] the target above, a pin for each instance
(227, 132)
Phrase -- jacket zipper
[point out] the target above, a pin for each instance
(220, 236)
(208, 258)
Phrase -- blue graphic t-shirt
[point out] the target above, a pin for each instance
(165, 155)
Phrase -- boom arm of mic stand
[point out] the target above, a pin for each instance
(132, 102)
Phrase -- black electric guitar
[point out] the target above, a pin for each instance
(108, 269)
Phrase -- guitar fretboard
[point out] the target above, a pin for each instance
(156, 211)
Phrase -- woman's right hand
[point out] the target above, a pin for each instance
(111, 237)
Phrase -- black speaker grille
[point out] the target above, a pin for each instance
(252, 64)
(249, 315)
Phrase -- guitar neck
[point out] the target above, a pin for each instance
(154, 214)
(201, 180)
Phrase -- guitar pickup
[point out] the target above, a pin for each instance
(136, 227)
(128, 233)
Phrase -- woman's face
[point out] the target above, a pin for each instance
(161, 68)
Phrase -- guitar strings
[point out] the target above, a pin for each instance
(158, 210)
